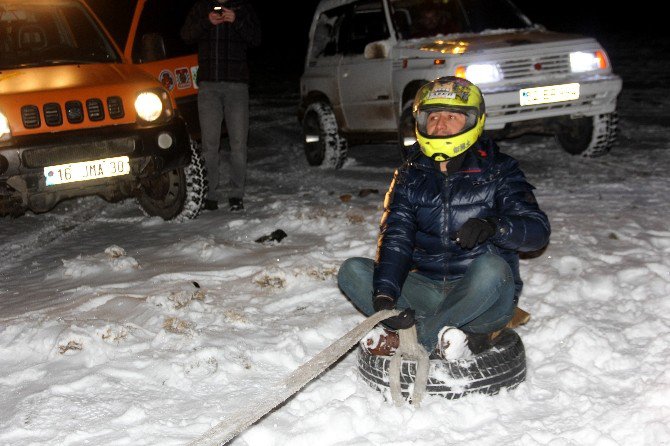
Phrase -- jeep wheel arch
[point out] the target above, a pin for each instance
(406, 136)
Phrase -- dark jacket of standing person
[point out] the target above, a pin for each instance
(222, 49)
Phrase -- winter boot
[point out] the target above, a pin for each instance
(452, 344)
(381, 341)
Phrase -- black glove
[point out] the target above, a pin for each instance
(473, 232)
(404, 320)
(383, 302)
(401, 321)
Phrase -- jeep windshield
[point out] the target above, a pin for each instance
(54, 33)
(415, 19)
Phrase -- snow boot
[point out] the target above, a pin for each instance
(452, 344)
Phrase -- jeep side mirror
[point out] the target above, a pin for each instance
(152, 48)
(377, 50)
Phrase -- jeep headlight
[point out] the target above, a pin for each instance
(5, 131)
(582, 61)
(149, 106)
(480, 73)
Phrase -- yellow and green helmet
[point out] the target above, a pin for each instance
(453, 94)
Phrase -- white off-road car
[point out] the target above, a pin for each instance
(367, 58)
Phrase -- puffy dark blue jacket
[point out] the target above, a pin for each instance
(424, 207)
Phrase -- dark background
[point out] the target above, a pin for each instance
(286, 26)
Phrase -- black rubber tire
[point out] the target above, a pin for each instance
(405, 130)
(589, 136)
(502, 366)
(324, 146)
(178, 194)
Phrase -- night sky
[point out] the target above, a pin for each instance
(286, 24)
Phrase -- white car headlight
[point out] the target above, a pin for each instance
(480, 73)
(149, 106)
(5, 131)
(582, 61)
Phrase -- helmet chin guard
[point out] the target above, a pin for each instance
(450, 94)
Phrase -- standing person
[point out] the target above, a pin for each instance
(456, 215)
(224, 30)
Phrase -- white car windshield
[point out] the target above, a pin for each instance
(426, 18)
(40, 34)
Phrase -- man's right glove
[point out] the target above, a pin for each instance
(400, 322)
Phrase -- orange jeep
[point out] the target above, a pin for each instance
(78, 117)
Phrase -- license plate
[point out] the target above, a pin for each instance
(87, 170)
(549, 94)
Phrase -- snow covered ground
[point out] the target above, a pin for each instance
(118, 329)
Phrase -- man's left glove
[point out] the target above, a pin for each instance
(474, 231)
(400, 322)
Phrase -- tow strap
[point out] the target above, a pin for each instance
(409, 349)
(233, 424)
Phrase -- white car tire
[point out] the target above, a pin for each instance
(324, 146)
(590, 136)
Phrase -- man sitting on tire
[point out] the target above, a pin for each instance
(456, 215)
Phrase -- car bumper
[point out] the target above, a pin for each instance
(597, 96)
(22, 160)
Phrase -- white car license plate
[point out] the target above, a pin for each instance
(87, 170)
(549, 94)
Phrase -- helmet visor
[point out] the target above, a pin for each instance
(426, 112)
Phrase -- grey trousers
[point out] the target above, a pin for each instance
(217, 100)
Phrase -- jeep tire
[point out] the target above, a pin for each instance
(178, 194)
(589, 136)
(502, 366)
(324, 146)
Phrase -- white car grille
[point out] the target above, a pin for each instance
(535, 66)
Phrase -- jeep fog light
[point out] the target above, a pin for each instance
(164, 140)
(5, 132)
(479, 73)
(581, 61)
(148, 106)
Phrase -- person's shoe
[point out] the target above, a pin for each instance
(381, 341)
(452, 344)
(210, 205)
(480, 342)
(236, 204)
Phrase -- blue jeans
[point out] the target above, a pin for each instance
(482, 301)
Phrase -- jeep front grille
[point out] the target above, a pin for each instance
(30, 115)
(53, 114)
(536, 66)
(54, 155)
(95, 110)
(74, 112)
(115, 107)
